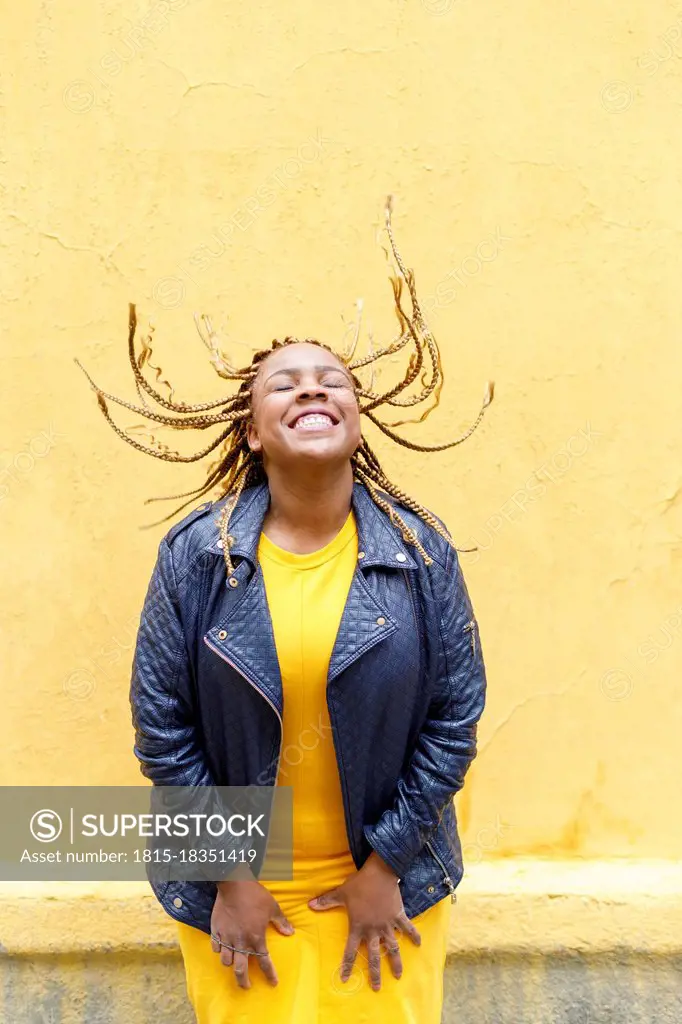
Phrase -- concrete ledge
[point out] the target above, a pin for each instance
(530, 906)
(538, 942)
(547, 907)
(75, 918)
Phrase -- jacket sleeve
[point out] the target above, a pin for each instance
(446, 744)
(167, 742)
(161, 701)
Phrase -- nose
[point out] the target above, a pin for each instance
(312, 390)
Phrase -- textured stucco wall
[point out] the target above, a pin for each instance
(233, 158)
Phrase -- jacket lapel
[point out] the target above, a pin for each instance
(364, 623)
(246, 640)
(244, 636)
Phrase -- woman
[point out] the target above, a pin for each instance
(341, 659)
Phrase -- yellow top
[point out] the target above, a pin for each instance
(306, 597)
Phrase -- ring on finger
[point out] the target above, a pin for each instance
(391, 944)
(236, 949)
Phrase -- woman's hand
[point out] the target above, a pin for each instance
(375, 909)
(241, 914)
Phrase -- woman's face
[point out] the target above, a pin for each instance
(303, 408)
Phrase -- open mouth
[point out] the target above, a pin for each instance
(314, 421)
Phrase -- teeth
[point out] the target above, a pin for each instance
(313, 421)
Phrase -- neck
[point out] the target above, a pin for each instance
(307, 509)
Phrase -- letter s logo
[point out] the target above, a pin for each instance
(46, 826)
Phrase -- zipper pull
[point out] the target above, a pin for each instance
(446, 878)
(471, 627)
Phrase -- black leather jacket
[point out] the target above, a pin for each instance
(406, 687)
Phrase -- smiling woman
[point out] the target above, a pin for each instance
(346, 618)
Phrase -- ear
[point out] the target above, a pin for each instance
(252, 437)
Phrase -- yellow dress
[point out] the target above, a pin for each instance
(306, 596)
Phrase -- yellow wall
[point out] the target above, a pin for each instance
(533, 150)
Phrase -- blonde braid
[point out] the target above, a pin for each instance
(237, 467)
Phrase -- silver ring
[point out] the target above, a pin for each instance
(236, 949)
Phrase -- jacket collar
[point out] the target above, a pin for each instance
(381, 541)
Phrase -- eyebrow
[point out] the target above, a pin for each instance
(296, 369)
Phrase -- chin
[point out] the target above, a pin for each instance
(319, 450)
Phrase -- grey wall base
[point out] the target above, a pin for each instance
(622, 987)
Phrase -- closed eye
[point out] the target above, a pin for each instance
(324, 383)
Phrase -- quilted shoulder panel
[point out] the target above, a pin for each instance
(196, 514)
(197, 533)
(436, 545)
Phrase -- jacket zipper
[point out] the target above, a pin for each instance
(446, 877)
(259, 691)
(471, 629)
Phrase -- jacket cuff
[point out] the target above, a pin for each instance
(389, 849)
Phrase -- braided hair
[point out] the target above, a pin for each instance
(237, 467)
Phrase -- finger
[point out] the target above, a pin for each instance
(349, 955)
(215, 941)
(374, 961)
(282, 924)
(393, 953)
(326, 900)
(241, 970)
(226, 956)
(406, 926)
(265, 963)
